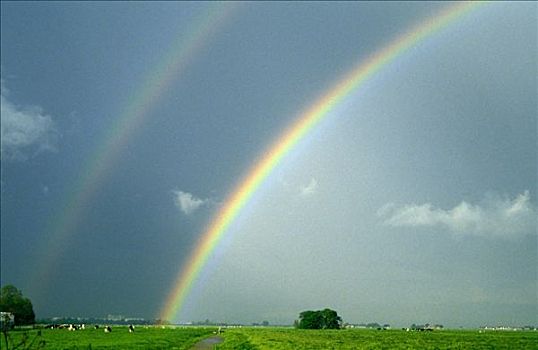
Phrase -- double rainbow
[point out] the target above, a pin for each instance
(289, 139)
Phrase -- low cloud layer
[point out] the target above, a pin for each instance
(187, 202)
(501, 217)
(25, 130)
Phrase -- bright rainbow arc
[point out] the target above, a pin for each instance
(125, 127)
(304, 124)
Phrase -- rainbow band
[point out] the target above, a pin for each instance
(304, 124)
(124, 128)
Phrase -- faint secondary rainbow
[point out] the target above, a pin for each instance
(288, 140)
(124, 127)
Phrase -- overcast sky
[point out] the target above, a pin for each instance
(414, 201)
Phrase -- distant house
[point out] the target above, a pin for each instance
(7, 320)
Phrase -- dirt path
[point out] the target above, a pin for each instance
(208, 343)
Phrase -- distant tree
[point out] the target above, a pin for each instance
(309, 320)
(265, 323)
(330, 319)
(12, 300)
(321, 319)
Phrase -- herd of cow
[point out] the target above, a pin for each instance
(76, 327)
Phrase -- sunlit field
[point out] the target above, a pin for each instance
(271, 338)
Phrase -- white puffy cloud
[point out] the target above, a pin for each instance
(24, 129)
(309, 189)
(186, 202)
(494, 217)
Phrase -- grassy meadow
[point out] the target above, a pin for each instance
(273, 338)
(288, 338)
(119, 338)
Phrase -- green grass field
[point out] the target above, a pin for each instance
(119, 338)
(288, 338)
(275, 338)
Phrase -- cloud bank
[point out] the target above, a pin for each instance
(187, 203)
(494, 217)
(24, 129)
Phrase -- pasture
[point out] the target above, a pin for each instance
(274, 338)
(289, 338)
(119, 338)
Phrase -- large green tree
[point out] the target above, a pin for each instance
(12, 300)
(321, 319)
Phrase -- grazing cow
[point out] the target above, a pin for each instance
(96, 326)
(131, 328)
(108, 329)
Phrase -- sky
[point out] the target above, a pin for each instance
(125, 126)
